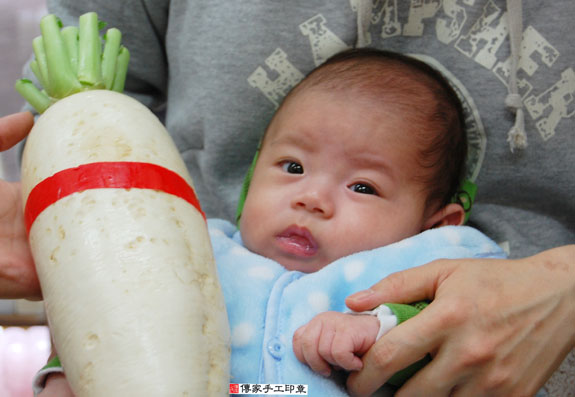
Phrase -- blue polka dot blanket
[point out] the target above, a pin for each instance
(267, 303)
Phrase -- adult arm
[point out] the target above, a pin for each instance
(18, 277)
(495, 327)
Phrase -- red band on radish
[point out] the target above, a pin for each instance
(106, 175)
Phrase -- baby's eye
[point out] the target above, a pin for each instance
(363, 188)
(291, 167)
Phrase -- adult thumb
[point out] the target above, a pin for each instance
(412, 285)
(14, 128)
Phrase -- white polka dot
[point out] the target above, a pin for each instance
(487, 248)
(319, 301)
(239, 251)
(261, 272)
(353, 269)
(452, 236)
(242, 334)
(216, 232)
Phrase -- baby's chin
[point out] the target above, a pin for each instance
(304, 266)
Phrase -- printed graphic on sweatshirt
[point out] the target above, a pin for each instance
(478, 36)
(323, 44)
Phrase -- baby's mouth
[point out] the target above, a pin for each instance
(297, 241)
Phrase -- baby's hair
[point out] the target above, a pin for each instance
(419, 92)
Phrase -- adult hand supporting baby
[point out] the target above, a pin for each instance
(18, 277)
(495, 327)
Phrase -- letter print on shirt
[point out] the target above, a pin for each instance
(479, 33)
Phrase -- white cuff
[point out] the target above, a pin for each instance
(387, 320)
(40, 378)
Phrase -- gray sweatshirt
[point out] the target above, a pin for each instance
(216, 71)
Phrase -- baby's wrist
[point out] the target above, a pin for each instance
(386, 318)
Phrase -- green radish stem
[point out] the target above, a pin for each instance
(38, 99)
(61, 78)
(72, 60)
(109, 57)
(36, 70)
(41, 62)
(121, 70)
(90, 51)
(70, 36)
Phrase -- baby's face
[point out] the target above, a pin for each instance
(335, 176)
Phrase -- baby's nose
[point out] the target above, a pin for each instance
(316, 200)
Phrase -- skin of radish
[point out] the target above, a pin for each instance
(128, 275)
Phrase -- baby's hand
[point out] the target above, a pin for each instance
(335, 339)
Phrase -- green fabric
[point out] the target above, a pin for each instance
(403, 313)
(465, 196)
(53, 363)
(245, 187)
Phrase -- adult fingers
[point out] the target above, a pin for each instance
(18, 278)
(408, 286)
(400, 347)
(438, 378)
(14, 128)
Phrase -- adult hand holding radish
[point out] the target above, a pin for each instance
(17, 273)
(119, 240)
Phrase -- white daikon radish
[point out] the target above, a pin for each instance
(119, 241)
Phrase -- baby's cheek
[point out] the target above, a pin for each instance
(354, 241)
(249, 240)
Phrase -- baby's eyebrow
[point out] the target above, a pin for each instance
(372, 161)
(294, 141)
(385, 172)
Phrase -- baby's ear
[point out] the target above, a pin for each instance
(452, 214)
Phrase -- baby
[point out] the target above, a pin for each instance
(366, 151)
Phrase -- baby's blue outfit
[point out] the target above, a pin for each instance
(266, 303)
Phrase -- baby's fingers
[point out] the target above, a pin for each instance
(338, 350)
(297, 343)
(305, 345)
